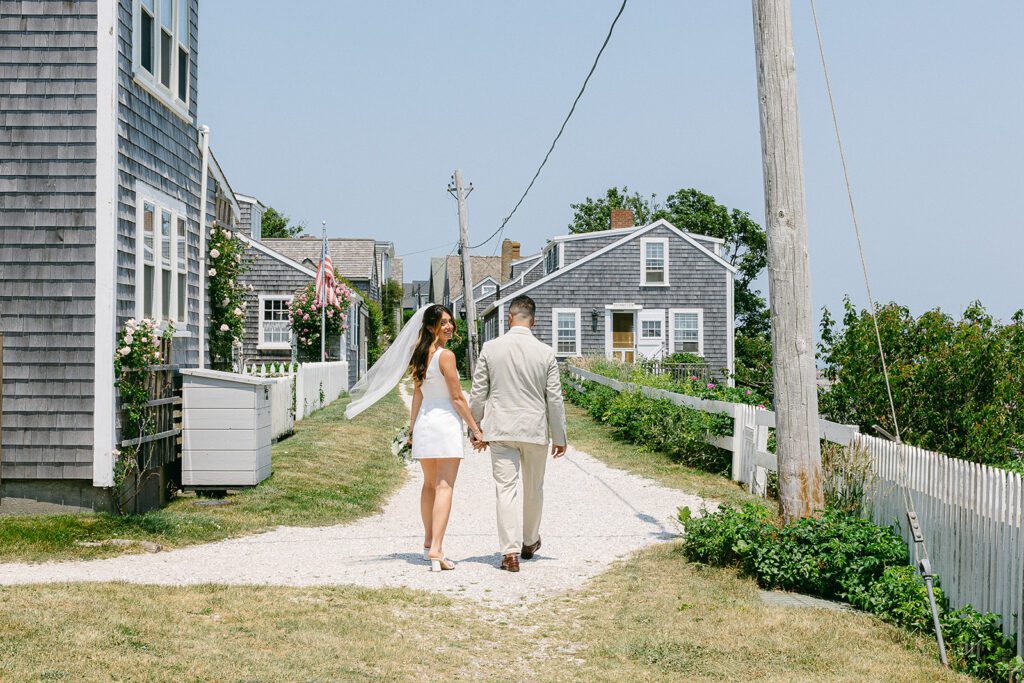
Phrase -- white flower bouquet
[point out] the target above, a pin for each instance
(401, 445)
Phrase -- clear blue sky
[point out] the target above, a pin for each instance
(357, 114)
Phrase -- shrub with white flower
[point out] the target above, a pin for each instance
(138, 348)
(227, 306)
(304, 314)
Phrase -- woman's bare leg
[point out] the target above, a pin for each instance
(429, 467)
(444, 482)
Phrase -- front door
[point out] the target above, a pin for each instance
(624, 336)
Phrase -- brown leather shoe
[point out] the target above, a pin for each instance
(530, 550)
(510, 562)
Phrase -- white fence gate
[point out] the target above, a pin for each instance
(971, 514)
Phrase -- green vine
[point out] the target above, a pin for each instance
(138, 348)
(227, 294)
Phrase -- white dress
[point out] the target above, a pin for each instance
(438, 430)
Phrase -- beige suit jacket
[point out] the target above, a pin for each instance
(517, 390)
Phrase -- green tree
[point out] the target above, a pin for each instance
(958, 385)
(274, 224)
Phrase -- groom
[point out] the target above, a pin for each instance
(517, 400)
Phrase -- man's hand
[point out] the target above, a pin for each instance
(478, 445)
(557, 451)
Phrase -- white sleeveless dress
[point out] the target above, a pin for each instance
(438, 430)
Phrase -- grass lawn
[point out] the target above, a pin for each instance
(656, 617)
(597, 439)
(331, 471)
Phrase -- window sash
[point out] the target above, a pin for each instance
(687, 332)
(162, 50)
(650, 329)
(161, 259)
(654, 262)
(566, 331)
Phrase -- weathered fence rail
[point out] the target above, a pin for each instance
(972, 516)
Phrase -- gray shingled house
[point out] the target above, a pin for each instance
(275, 279)
(484, 292)
(627, 293)
(102, 168)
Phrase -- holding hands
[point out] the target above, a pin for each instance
(476, 438)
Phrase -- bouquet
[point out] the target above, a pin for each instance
(401, 445)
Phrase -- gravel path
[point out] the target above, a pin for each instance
(593, 516)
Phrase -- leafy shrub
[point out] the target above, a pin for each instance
(657, 424)
(977, 644)
(843, 556)
(899, 597)
(726, 537)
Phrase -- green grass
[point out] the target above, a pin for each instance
(598, 440)
(652, 618)
(330, 472)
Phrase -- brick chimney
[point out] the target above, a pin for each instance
(509, 254)
(622, 218)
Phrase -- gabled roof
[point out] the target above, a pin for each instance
(218, 174)
(482, 266)
(353, 258)
(479, 282)
(604, 233)
(263, 249)
(519, 278)
(633, 234)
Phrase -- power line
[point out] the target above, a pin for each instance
(560, 130)
(423, 251)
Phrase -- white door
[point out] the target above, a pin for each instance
(651, 342)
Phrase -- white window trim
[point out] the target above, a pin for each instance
(672, 329)
(575, 312)
(262, 343)
(161, 202)
(661, 328)
(150, 82)
(560, 259)
(484, 293)
(644, 241)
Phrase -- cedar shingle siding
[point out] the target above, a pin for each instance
(47, 236)
(48, 72)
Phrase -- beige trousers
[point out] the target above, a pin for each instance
(515, 526)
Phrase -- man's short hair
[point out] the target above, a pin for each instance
(522, 307)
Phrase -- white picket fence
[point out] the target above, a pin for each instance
(282, 420)
(971, 515)
(316, 384)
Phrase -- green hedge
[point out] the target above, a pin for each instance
(841, 556)
(656, 424)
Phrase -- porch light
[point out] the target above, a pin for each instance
(593, 319)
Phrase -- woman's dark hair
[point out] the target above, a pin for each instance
(428, 333)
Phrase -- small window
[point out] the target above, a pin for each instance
(566, 331)
(146, 56)
(650, 329)
(686, 332)
(552, 259)
(487, 290)
(275, 327)
(654, 261)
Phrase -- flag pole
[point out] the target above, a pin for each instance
(323, 297)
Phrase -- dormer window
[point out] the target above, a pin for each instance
(553, 258)
(654, 262)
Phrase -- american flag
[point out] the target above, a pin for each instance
(325, 277)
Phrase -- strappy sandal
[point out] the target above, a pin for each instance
(438, 564)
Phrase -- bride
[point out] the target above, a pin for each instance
(439, 408)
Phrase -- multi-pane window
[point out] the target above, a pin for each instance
(654, 253)
(161, 259)
(275, 328)
(566, 331)
(161, 50)
(686, 332)
(551, 259)
(182, 268)
(650, 329)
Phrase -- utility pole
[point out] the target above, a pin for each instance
(460, 194)
(789, 280)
